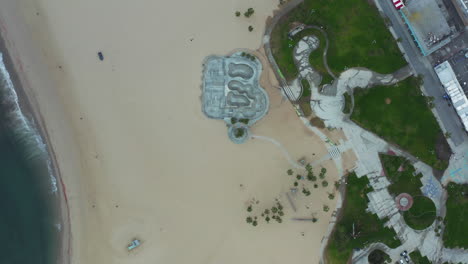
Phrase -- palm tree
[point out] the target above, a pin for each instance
(280, 207)
(250, 28)
(323, 171)
(337, 184)
(238, 14)
(249, 209)
(249, 12)
(324, 183)
(249, 219)
(290, 172)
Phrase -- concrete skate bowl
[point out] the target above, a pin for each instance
(240, 70)
(237, 100)
(241, 88)
(238, 133)
(422, 214)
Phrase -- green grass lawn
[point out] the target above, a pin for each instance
(418, 259)
(367, 227)
(348, 103)
(304, 101)
(357, 34)
(456, 219)
(378, 257)
(400, 115)
(404, 181)
(422, 214)
(316, 57)
(306, 92)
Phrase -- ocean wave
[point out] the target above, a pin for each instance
(24, 130)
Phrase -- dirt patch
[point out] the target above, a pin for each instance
(388, 100)
(317, 122)
(443, 152)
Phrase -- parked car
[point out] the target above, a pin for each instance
(398, 4)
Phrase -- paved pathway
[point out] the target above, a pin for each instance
(367, 146)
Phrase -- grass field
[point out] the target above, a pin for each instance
(304, 101)
(400, 115)
(368, 228)
(306, 92)
(456, 220)
(418, 259)
(422, 214)
(348, 103)
(401, 181)
(357, 35)
(378, 257)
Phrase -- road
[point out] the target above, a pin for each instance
(421, 66)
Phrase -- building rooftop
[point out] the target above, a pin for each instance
(454, 90)
(427, 24)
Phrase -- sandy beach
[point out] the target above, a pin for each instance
(136, 154)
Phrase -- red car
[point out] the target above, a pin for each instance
(398, 4)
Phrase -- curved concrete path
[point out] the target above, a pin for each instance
(367, 147)
(325, 50)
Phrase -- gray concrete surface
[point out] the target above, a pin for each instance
(231, 90)
(427, 22)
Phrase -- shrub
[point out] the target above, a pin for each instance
(324, 183)
(249, 12)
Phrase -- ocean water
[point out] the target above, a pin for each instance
(29, 220)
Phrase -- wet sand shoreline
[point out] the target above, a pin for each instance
(29, 109)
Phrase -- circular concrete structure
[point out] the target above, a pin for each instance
(238, 133)
(404, 201)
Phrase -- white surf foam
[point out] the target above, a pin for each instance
(24, 128)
